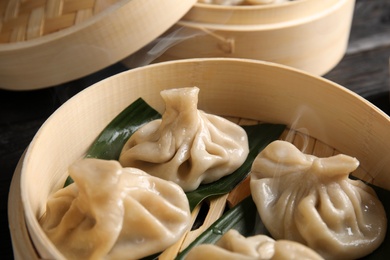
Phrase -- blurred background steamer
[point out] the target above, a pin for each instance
(51, 42)
(311, 35)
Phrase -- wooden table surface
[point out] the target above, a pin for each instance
(364, 70)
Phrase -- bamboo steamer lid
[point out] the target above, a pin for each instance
(48, 42)
(340, 121)
(310, 35)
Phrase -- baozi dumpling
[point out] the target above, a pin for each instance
(313, 201)
(187, 146)
(232, 246)
(110, 212)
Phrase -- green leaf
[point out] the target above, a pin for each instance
(109, 143)
(243, 218)
(259, 136)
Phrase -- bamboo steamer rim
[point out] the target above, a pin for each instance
(249, 6)
(266, 14)
(372, 132)
(314, 43)
(210, 27)
(246, 7)
(23, 248)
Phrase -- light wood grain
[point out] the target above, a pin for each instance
(46, 43)
(311, 35)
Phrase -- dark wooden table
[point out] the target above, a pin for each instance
(364, 70)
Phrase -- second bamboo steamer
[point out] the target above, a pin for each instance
(310, 35)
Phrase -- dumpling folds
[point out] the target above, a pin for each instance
(187, 146)
(232, 246)
(110, 212)
(313, 201)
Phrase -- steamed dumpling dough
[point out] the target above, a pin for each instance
(110, 212)
(311, 200)
(232, 246)
(187, 146)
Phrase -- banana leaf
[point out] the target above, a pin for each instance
(109, 143)
(243, 218)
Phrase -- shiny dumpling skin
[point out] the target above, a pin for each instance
(187, 146)
(313, 201)
(110, 212)
(232, 246)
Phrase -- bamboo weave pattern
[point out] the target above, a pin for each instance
(23, 20)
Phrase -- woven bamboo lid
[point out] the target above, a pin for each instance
(48, 42)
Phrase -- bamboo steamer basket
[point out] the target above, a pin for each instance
(310, 35)
(48, 42)
(322, 118)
